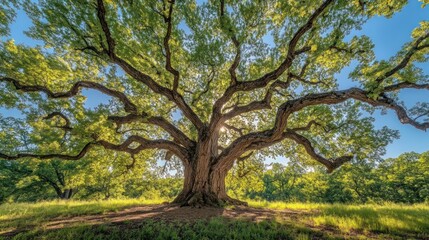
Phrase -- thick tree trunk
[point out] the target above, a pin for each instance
(204, 180)
(205, 186)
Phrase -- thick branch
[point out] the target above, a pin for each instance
(266, 138)
(253, 106)
(80, 155)
(144, 143)
(236, 43)
(179, 151)
(128, 105)
(273, 75)
(167, 37)
(403, 85)
(178, 135)
(404, 62)
(142, 77)
(330, 164)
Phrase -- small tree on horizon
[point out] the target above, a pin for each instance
(206, 82)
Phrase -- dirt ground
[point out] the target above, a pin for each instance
(168, 212)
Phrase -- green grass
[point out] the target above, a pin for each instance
(216, 228)
(320, 221)
(23, 215)
(386, 218)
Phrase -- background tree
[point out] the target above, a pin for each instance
(402, 180)
(196, 81)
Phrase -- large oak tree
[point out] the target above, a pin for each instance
(207, 82)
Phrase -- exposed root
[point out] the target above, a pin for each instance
(232, 201)
(206, 199)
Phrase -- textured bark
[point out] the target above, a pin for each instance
(205, 187)
(204, 182)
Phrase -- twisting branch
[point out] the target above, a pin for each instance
(330, 164)
(178, 135)
(175, 72)
(235, 129)
(257, 140)
(273, 75)
(144, 143)
(101, 13)
(404, 62)
(128, 105)
(335, 97)
(126, 146)
(80, 155)
(403, 85)
(256, 105)
(252, 106)
(234, 40)
(142, 77)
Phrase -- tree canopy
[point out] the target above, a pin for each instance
(200, 82)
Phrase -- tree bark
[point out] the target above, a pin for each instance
(204, 180)
(204, 185)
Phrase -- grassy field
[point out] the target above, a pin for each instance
(116, 219)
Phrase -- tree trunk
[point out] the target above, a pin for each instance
(67, 193)
(204, 180)
(205, 186)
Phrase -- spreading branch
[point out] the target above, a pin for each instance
(140, 76)
(416, 47)
(128, 105)
(330, 164)
(236, 43)
(143, 143)
(126, 146)
(273, 75)
(168, 67)
(257, 140)
(78, 156)
(178, 135)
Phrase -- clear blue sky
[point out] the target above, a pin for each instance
(388, 36)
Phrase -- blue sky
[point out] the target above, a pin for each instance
(388, 36)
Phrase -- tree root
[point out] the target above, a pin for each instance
(206, 199)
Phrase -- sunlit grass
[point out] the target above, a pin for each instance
(388, 217)
(16, 215)
(285, 205)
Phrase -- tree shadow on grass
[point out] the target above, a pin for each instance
(214, 228)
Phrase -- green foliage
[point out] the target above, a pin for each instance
(401, 180)
(100, 176)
